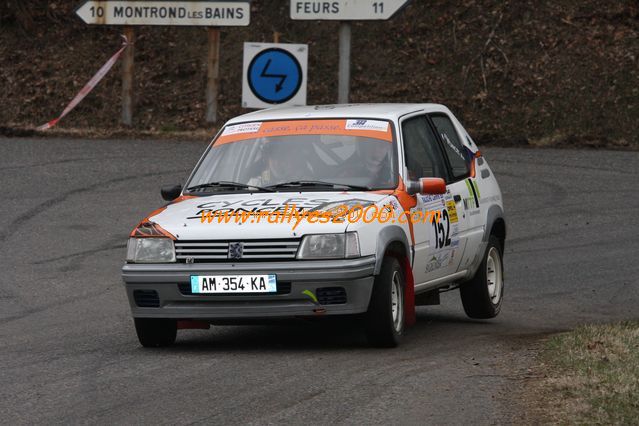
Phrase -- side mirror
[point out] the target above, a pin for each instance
(170, 193)
(428, 185)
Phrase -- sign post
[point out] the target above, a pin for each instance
(210, 13)
(344, 68)
(345, 11)
(127, 78)
(212, 75)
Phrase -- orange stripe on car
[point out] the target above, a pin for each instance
(149, 229)
(155, 213)
(406, 200)
(304, 127)
(182, 198)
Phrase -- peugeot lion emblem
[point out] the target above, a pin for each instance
(236, 250)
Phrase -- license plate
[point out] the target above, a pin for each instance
(218, 284)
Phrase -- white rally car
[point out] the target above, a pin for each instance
(364, 210)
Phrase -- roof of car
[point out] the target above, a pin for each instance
(370, 111)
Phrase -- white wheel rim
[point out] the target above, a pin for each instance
(397, 302)
(494, 275)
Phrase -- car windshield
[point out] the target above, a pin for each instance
(310, 153)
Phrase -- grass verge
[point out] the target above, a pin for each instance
(591, 375)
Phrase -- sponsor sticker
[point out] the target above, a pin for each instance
(376, 125)
(452, 146)
(364, 128)
(429, 198)
(396, 205)
(438, 261)
(452, 211)
(473, 191)
(242, 128)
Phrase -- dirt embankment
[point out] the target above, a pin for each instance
(517, 72)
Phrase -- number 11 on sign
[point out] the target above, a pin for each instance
(345, 11)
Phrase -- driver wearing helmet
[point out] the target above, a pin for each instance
(282, 162)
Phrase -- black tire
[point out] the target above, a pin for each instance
(480, 300)
(156, 332)
(382, 330)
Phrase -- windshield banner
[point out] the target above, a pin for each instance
(374, 129)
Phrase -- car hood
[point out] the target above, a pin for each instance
(183, 218)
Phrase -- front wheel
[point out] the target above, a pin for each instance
(482, 295)
(156, 332)
(385, 316)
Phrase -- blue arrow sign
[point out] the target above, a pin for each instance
(275, 76)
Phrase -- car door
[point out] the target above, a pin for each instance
(464, 189)
(436, 243)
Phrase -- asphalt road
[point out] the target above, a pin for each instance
(68, 351)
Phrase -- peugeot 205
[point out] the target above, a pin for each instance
(360, 210)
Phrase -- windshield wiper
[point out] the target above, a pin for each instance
(227, 184)
(318, 183)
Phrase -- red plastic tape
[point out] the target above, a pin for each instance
(88, 87)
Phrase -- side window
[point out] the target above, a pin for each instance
(452, 144)
(422, 154)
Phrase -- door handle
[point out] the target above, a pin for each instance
(457, 198)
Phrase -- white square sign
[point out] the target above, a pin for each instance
(274, 74)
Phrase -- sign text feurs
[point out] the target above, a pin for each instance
(345, 10)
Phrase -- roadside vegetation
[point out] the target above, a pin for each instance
(526, 73)
(591, 376)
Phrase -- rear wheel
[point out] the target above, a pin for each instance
(385, 316)
(482, 295)
(156, 332)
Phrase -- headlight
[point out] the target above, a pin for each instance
(150, 250)
(329, 246)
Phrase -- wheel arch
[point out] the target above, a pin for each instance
(495, 225)
(392, 242)
(499, 230)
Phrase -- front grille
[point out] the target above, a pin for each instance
(218, 251)
(282, 288)
(146, 298)
(331, 295)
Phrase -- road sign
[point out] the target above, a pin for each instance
(274, 74)
(346, 10)
(209, 13)
(179, 13)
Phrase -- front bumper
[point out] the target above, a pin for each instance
(355, 276)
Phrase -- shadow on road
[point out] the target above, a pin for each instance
(327, 334)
